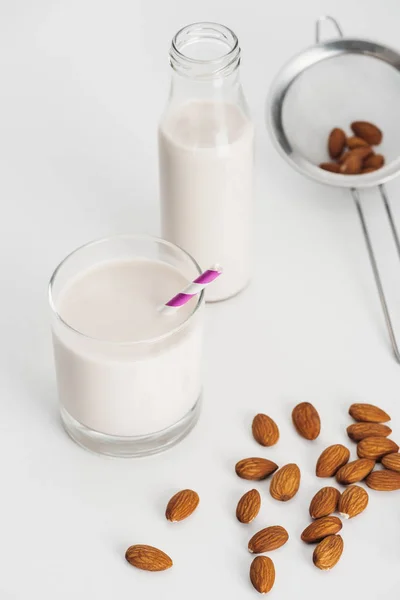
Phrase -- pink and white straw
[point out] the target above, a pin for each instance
(194, 288)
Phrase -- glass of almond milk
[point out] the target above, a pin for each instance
(128, 376)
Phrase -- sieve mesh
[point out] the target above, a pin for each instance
(333, 93)
(330, 85)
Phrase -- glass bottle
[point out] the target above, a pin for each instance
(206, 147)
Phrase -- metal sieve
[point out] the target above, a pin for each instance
(329, 85)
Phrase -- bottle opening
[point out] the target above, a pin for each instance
(205, 50)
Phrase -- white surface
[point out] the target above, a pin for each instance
(83, 84)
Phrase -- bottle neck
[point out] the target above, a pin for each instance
(205, 52)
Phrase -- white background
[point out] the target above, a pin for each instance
(83, 83)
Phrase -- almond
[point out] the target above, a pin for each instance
(248, 506)
(359, 431)
(375, 161)
(262, 574)
(324, 502)
(367, 131)
(356, 142)
(362, 152)
(306, 420)
(352, 165)
(328, 552)
(285, 483)
(392, 462)
(354, 471)
(255, 469)
(384, 481)
(365, 170)
(344, 157)
(352, 502)
(330, 166)
(182, 505)
(265, 430)
(321, 528)
(376, 447)
(331, 459)
(148, 558)
(268, 539)
(369, 413)
(336, 142)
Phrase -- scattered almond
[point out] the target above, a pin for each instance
(369, 413)
(359, 431)
(321, 528)
(355, 471)
(352, 502)
(352, 165)
(306, 420)
(331, 459)
(324, 502)
(255, 469)
(285, 483)
(182, 505)
(328, 552)
(330, 166)
(365, 170)
(248, 506)
(148, 558)
(336, 142)
(262, 574)
(376, 447)
(383, 481)
(356, 142)
(268, 539)
(367, 131)
(265, 430)
(375, 161)
(392, 462)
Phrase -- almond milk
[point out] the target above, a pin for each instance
(206, 182)
(123, 368)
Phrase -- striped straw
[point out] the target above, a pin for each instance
(192, 289)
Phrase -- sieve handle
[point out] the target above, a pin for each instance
(318, 25)
(372, 259)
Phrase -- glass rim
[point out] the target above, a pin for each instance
(232, 52)
(138, 237)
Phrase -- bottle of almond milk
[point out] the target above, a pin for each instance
(206, 145)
